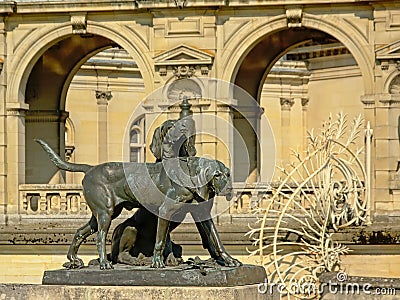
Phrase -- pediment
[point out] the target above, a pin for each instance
(391, 51)
(183, 55)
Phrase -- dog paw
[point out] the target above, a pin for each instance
(76, 263)
(231, 262)
(157, 262)
(106, 265)
(173, 261)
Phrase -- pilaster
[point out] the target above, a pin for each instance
(102, 98)
(15, 155)
(286, 106)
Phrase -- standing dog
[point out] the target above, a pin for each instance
(112, 186)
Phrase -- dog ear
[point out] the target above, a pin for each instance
(206, 172)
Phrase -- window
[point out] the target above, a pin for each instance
(136, 141)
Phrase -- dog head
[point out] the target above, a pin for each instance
(215, 177)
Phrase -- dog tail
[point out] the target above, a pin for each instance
(61, 164)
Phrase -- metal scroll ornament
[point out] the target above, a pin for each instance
(321, 192)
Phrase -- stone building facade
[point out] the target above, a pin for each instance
(94, 78)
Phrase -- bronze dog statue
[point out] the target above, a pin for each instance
(112, 186)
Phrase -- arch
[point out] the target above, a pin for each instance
(390, 80)
(137, 151)
(33, 47)
(250, 34)
(69, 132)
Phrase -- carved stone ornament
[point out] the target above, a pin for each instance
(294, 16)
(183, 71)
(304, 101)
(286, 103)
(69, 149)
(394, 87)
(78, 24)
(103, 96)
(180, 3)
(183, 61)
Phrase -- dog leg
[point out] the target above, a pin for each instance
(211, 232)
(167, 209)
(162, 228)
(104, 221)
(81, 234)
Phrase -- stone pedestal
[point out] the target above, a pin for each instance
(51, 292)
(143, 282)
(183, 275)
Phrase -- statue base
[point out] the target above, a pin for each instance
(183, 275)
(67, 292)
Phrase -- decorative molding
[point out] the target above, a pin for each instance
(183, 71)
(389, 99)
(79, 23)
(384, 66)
(17, 109)
(17, 112)
(181, 3)
(183, 53)
(388, 52)
(368, 101)
(294, 16)
(188, 27)
(46, 116)
(183, 61)
(248, 112)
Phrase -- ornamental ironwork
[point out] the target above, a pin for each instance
(323, 191)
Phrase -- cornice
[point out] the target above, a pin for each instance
(57, 6)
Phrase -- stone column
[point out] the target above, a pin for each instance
(15, 157)
(286, 105)
(102, 98)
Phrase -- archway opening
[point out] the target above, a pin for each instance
(298, 77)
(67, 81)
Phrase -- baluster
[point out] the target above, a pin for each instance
(63, 209)
(24, 199)
(43, 204)
(84, 210)
(54, 203)
(254, 199)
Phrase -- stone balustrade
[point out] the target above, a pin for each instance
(248, 196)
(68, 199)
(52, 199)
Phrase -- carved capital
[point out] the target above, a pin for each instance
(69, 149)
(78, 22)
(103, 97)
(184, 71)
(294, 16)
(286, 103)
(304, 102)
